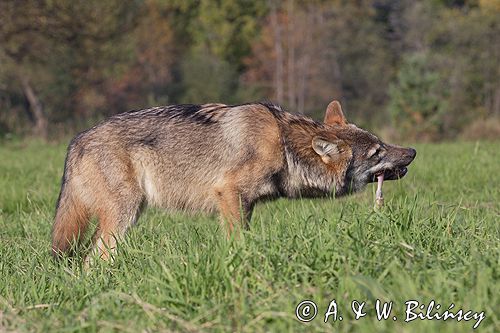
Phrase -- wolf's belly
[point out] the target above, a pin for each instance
(175, 190)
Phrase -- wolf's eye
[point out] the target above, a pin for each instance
(373, 152)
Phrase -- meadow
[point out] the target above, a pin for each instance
(437, 238)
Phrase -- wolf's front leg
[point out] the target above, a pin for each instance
(234, 208)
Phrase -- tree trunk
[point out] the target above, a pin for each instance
(278, 48)
(305, 61)
(496, 102)
(36, 109)
(291, 71)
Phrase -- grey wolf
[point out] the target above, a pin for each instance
(210, 158)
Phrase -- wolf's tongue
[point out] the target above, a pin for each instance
(379, 196)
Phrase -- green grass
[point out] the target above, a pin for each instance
(437, 239)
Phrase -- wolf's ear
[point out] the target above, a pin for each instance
(331, 150)
(334, 114)
(323, 147)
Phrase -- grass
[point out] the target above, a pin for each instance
(437, 239)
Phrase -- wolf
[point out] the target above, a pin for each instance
(210, 158)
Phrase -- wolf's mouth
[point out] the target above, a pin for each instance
(390, 174)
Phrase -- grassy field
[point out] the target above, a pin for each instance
(438, 238)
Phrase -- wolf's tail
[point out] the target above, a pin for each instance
(71, 221)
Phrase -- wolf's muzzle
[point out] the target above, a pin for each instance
(400, 169)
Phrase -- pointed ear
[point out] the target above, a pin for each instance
(331, 150)
(323, 147)
(334, 114)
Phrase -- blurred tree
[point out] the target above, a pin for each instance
(60, 56)
(226, 28)
(314, 51)
(366, 64)
(93, 37)
(417, 105)
(475, 75)
(221, 33)
(23, 47)
(292, 62)
(469, 83)
(207, 78)
(153, 43)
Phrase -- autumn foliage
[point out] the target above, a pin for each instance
(422, 70)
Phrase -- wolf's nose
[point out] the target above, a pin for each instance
(412, 152)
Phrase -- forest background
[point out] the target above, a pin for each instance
(418, 70)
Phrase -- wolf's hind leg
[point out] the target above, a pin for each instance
(114, 220)
(71, 222)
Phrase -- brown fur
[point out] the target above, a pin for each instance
(212, 157)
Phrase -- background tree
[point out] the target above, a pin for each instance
(417, 105)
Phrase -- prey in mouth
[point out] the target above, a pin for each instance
(394, 165)
(390, 174)
(376, 161)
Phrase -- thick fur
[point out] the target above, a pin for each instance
(209, 158)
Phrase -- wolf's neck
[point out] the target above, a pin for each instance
(306, 173)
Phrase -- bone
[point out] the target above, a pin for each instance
(379, 196)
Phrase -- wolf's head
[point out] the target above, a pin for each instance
(364, 155)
